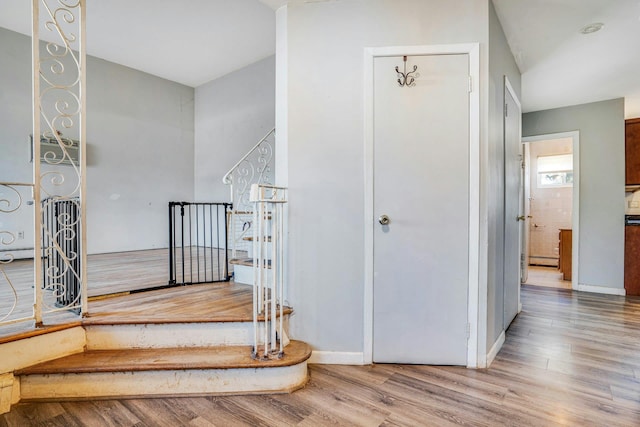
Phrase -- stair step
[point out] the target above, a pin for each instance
(162, 359)
(173, 335)
(250, 238)
(247, 262)
(164, 372)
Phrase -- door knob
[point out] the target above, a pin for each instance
(384, 219)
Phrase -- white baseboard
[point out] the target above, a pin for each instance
(337, 358)
(601, 289)
(495, 349)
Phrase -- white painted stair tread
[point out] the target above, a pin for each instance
(222, 357)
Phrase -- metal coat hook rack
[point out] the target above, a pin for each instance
(405, 78)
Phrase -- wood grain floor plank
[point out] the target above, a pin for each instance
(591, 345)
(109, 413)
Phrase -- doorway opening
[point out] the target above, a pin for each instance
(550, 203)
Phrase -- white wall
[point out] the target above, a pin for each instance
(232, 113)
(325, 44)
(140, 147)
(602, 194)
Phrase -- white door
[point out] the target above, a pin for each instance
(421, 182)
(514, 217)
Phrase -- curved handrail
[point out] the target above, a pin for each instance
(226, 179)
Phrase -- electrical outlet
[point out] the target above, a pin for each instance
(20, 235)
(634, 204)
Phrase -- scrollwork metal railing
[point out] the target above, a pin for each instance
(255, 167)
(59, 163)
(13, 291)
(59, 159)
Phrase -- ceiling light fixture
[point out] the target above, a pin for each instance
(591, 28)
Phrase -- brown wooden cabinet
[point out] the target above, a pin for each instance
(631, 257)
(632, 151)
(566, 253)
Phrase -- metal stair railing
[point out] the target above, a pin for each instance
(255, 167)
(269, 337)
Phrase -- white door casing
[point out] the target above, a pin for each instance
(526, 209)
(513, 217)
(470, 210)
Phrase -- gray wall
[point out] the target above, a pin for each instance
(232, 114)
(501, 64)
(325, 46)
(140, 154)
(601, 127)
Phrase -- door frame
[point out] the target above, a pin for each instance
(575, 208)
(508, 89)
(475, 304)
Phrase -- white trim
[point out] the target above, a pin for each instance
(509, 88)
(282, 126)
(575, 214)
(600, 289)
(495, 348)
(337, 358)
(473, 300)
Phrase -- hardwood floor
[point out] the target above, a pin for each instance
(214, 302)
(570, 359)
(549, 277)
(112, 273)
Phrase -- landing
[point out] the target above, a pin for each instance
(215, 302)
(211, 302)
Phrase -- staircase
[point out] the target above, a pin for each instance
(184, 340)
(138, 355)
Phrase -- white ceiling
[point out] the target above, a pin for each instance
(190, 42)
(195, 41)
(559, 65)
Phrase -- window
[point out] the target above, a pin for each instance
(555, 171)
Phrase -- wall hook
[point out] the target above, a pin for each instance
(405, 78)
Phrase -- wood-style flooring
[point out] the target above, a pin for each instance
(213, 302)
(549, 277)
(107, 274)
(570, 359)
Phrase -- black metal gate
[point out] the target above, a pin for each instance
(198, 243)
(61, 260)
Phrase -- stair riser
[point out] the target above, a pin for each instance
(163, 383)
(243, 274)
(112, 337)
(30, 351)
(168, 335)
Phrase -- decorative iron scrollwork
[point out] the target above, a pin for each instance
(61, 110)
